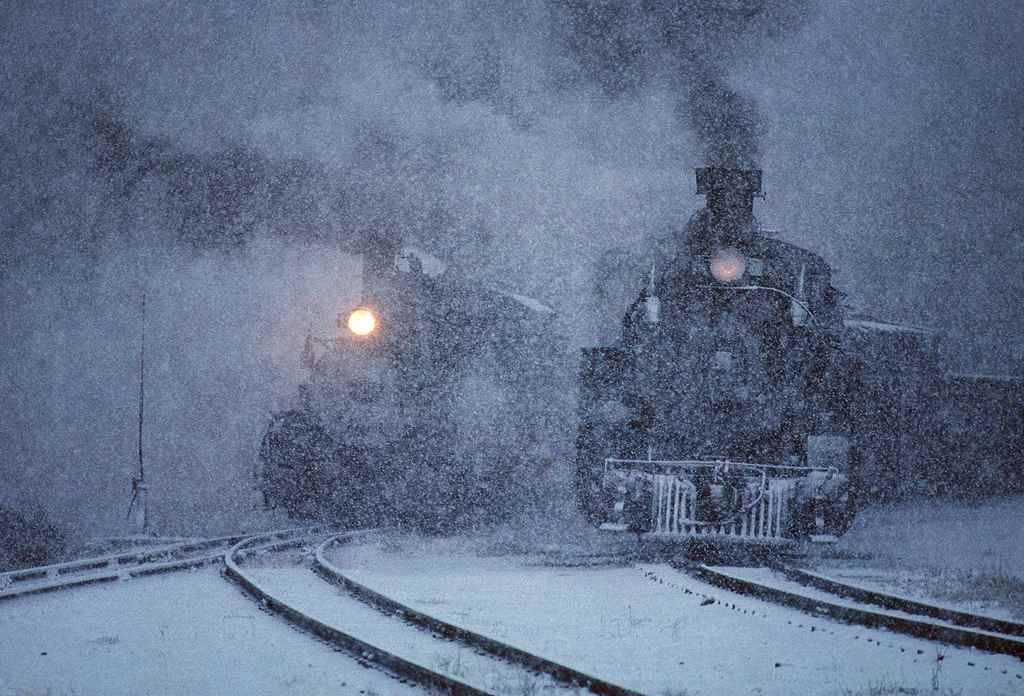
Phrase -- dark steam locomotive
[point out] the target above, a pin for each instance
(424, 409)
(721, 412)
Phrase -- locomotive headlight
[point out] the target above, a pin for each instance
(727, 265)
(362, 322)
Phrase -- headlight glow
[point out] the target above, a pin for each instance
(727, 265)
(362, 322)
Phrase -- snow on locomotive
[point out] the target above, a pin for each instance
(424, 409)
(721, 413)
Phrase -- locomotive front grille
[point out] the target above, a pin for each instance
(710, 498)
(674, 508)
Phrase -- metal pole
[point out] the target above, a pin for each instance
(141, 483)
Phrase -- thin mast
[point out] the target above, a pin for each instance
(140, 483)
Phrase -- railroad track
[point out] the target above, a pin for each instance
(887, 601)
(823, 597)
(121, 566)
(426, 652)
(410, 644)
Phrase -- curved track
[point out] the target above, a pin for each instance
(399, 639)
(562, 673)
(851, 605)
(654, 630)
(339, 637)
(909, 606)
(421, 650)
(113, 567)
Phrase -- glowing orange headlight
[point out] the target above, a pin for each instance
(728, 265)
(362, 322)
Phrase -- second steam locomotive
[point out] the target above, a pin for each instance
(434, 405)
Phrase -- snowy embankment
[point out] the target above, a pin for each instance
(657, 631)
(965, 556)
(182, 633)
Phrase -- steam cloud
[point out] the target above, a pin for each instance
(224, 185)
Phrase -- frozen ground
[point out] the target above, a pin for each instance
(777, 580)
(182, 633)
(196, 633)
(297, 585)
(638, 627)
(986, 537)
(969, 557)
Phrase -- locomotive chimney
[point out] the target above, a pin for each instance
(379, 255)
(730, 198)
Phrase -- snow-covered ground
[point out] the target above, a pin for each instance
(646, 627)
(966, 556)
(986, 537)
(639, 627)
(182, 633)
(777, 580)
(296, 584)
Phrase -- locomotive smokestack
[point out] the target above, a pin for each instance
(730, 197)
(379, 254)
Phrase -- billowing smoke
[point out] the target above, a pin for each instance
(335, 124)
(726, 122)
(688, 46)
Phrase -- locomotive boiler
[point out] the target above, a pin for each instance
(720, 413)
(425, 408)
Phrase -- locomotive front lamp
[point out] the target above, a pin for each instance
(727, 265)
(362, 322)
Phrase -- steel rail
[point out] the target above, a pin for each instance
(113, 567)
(888, 601)
(567, 675)
(988, 642)
(360, 649)
(111, 559)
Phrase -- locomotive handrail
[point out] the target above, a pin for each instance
(719, 463)
(814, 319)
(803, 305)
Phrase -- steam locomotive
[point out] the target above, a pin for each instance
(424, 409)
(722, 410)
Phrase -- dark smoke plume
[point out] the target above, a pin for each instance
(521, 61)
(725, 122)
(689, 46)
